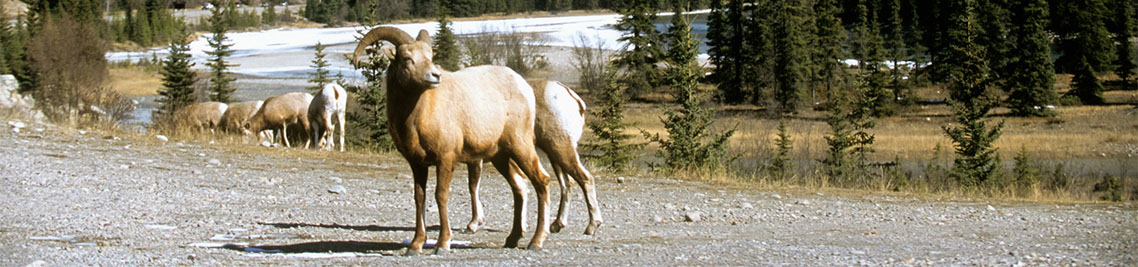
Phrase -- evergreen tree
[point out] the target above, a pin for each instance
(1032, 83)
(897, 51)
(320, 74)
(725, 41)
(1125, 26)
(1086, 85)
(1026, 173)
(642, 48)
(6, 34)
(141, 25)
(870, 53)
(830, 49)
(792, 66)
(688, 126)
(177, 80)
(372, 101)
(269, 15)
(445, 48)
(992, 31)
(760, 52)
(849, 118)
(976, 161)
(781, 165)
(220, 88)
(611, 141)
(1083, 36)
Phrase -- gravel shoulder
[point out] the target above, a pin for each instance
(100, 199)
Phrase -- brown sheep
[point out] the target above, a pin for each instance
(440, 118)
(237, 114)
(279, 113)
(201, 116)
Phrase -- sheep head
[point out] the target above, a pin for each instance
(411, 62)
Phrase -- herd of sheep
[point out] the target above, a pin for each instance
(440, 118)
(315, 116)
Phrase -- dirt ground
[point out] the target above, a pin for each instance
(98, 198)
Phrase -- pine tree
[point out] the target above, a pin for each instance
(1032, 83)
(177, 80)
(781, 165)
(792, 66)
(445, 49)
(976, 161)
(1086, 85)
(220, 87)
(1026, 173)
(760, 52)
(320, 74)
(638, 60)
(870, 53)
(1083, 36)
(725, 40)
(372, 100)
(850, 117)
(897, 51)
(1125, 26)
(830, 48)
(688, 126)
(610, 140)
(269, 16)
(992, 33)
(142, 34)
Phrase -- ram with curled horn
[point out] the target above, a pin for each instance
(440, 118)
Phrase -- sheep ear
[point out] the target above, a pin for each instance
(424, 36)
(388, 51)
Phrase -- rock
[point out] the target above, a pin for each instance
(990, 208)
(804, 202)
(746, 206)
(403, 176)
(82, 132)
(266, 144)
(776, 196)
(38, 263)
(657, 219)
(337, 189)
(620, 180)
(162, 138)
(17, 124)
(693, 216)
(214, 162)
(336, 179)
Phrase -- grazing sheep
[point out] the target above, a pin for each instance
(237, 114)
(279, 113)
(557, 129)
(331, 102)
(201, 116)
(440, 118)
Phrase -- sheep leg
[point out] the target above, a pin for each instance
(475, 172)
(526, 157)
(585, 180)
(420, 174)
(284, 135)
(445, 171)
(518, 229)
(562, 182)
(341, 115)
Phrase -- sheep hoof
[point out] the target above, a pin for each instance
(592, 228)
(442, 251)
(412, 252)
(556, 227)
(535, 247)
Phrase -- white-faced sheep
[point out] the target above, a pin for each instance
(201, 116)
(557, 129)
(327, 107)
(279, 113)
(439, 118)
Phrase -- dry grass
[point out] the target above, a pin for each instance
(134, 81)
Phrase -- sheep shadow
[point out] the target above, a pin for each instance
(322, 247)
(372, 228)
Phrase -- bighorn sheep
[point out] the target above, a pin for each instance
(280, 112)
(331, 102)
(442, 118)
(557, 129)
(237, 114)
(204, 115)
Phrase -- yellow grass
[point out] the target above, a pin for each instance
(134, 81)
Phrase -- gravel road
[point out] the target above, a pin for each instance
(94, 198)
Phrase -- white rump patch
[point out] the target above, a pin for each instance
(563, 104)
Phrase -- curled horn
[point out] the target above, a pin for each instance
(424, 36)
(390, 34)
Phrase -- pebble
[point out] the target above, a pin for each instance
(803, 202)
(746, 206)
(990, 208)
(403, 176)
(214, 162)
(336, 179)
(266, 144)
(657, 219)
(620, 180)
(337, 189)
(17, 124)
(162, 138)
(693, 216)
(776, 196)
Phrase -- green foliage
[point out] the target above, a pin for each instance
(445, 48)
(725, 35)
(370, 119)
(220, 87)
(1086, 85)
(1124, 27)
(690, 144)
(177, 80)
(1032, 83)
(868, 49)
(320, 74)
(1083, 37)
(642, 51)
(829, 49)
(792, 66)
(781, 165)
(269, 15)
(849, 140)
(1059, 179)
(1026, 173)
(610, 140)
(1110, 187)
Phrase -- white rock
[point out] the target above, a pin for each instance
(746, 206)
(803, 202)
(990, 208)
(82, 132)
(266, 144)
(37, 263)
(214, 162)
(693, 216)
(336, 179)
(657, 219)
(620, 180)
(337, 189)
(17, 124)
(162, 138)
(776, 196)
(403, 176)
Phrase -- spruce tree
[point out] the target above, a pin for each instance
(850, 117)
(1032, 83)
(177, 79)
(372, 101)
(1026, 173)
(445, 49)
(642, 48)
(1125, 26)
(220, 87)
(320, 74)
(992, 31)
(976, 161)
(616, 151)
(760, 52)
(1083, 36)
(725, 40)
(781, 165)
(829, 47)
(688, 126)
(896, 51)
(269, 15)
(1086, 85)
(792, 66)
